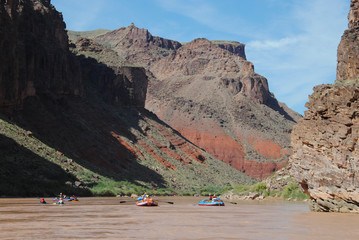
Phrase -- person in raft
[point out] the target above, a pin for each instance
(43, 201)
(61, 201)
(214, 198)
(210, 197)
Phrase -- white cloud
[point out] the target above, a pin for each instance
(258, 45)
(307, 57)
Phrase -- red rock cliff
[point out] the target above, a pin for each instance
(213, 97)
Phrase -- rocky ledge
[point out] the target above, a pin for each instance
(326, 150)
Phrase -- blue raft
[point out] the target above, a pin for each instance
(213, 202)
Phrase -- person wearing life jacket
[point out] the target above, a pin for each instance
(43, 201)
(61, 201)
(210, 197)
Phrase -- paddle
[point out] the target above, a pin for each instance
(157, 201)
(166, 202)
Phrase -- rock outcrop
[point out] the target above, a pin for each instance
(325, 146)
(34, 58)
(326, 157)
(137, 45)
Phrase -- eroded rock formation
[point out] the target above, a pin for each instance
(325, 156)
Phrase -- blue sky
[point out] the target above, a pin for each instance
(292, 43)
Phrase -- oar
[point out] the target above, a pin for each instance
(165, 201)
(128, 201)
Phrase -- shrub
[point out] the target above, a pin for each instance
(260, 188)
(292, 191)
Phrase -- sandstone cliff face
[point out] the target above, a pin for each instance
(325, 156)
(34, 53)
(325, 159)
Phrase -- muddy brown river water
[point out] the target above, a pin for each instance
(106, 218)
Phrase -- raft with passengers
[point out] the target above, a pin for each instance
(146, 200)
(211, 201)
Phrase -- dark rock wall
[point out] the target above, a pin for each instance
(34, 53)
(35, 59)
(117, 83)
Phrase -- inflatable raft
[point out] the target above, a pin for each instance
(213, 202)
(71, 199)
(146, 202)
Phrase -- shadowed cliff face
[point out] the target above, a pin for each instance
(325, 156)
(34, 53)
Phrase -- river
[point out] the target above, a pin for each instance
(107, 218)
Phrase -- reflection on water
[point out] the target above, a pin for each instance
(106, 218)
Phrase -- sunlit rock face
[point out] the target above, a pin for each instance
(325, 158)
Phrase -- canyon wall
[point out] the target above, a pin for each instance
(209, 92)
(82, 104)
(325, 156)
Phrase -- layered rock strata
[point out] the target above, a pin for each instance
(210, 93)
(325, 144)
(325, 156)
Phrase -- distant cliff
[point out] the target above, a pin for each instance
(209, 92)
(325, 156)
